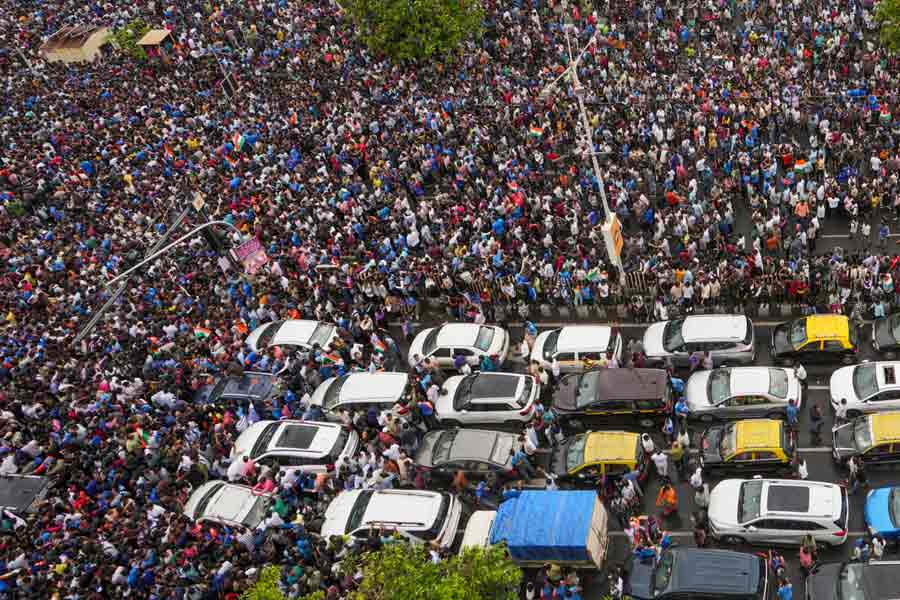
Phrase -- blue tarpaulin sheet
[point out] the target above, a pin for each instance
(545, 526)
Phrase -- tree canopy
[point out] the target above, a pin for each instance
(415, 29)
(404, 572)
(887, 13)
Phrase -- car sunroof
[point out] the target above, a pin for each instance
(788, 498)
(296, 436)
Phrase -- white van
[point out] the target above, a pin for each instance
(360, 392)
(574, 345)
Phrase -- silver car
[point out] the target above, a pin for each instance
(728, 338)
(742, 392)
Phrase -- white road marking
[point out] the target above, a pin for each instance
(818, 387)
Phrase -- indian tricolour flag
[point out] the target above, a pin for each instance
(238, 140)
(378, 345)
(202, 333)
(332, 358)
(536, 131)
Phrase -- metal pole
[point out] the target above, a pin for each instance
(98, 314)
(159, 253)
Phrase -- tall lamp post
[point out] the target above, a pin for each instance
(611, 228)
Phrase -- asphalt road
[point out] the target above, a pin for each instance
(821, 467)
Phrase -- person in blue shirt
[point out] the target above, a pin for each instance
(792, 414)
(785, 590)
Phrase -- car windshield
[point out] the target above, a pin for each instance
(729, 441)
(719, 386)
(550, 344)
(217, 391)
(749, 501)
(672, 339)
(798, 333)
(430, 344)
(522, 400)
(321, 335)
(268, 333)
(862, 434)
(663, 573)
(484, 339)
(850, 582)
(587, 389)
(358, 510)
(894, 506)
(441, 451)
(778, 383)
(464, 392)
(865, 381)
(257, 512)
(575, 453)
(333, 393)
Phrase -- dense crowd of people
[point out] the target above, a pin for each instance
(379, 191)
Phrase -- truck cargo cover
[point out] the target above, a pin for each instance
(545, 525)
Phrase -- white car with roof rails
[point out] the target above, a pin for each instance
(227, 504)
(469, 339)
(487, 398)
(360, 392)
(573, 345)
(868, 387)
(302, 333)
(307, 446)
(419, 516)
(742, 392)
(778, 511)
(728, 338)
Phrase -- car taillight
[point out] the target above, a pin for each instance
(841, 533)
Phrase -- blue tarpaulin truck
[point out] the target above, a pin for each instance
(539, 527)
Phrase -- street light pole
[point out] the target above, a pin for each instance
(612, 233)
(158, 253)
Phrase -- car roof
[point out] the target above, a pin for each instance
(373, 387)
(294, 331)
(720, 571)
(749, 380)
(627, 383)
(495, 386)
(415, 508)
(827, 327)
(887, 374)
(480, 444)
(758, 433)
(250, 384)
(812, 498)
(611, 446)
(714, 327)
(304, 436)
(885, 427)
(575, 338)
(458, 334)
(229, 502)
(881, 579)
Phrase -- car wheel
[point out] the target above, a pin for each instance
(732, 540)
(646, 423)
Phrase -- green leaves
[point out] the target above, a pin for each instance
(888, 14)
(126, 39)
(415, 29)
(266, 586)
(404, 572)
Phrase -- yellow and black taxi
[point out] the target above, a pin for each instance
(642, 395)
(875, 438)
(748, 446)
(585, 458)
(816, 338)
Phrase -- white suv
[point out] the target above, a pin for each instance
(307, 446)
(778, 511)
(227, 504)
(419, 516)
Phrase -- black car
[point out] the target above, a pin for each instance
(239, 389)
(886, 336)
(476, 452)
(700, 574)
(854, 581)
